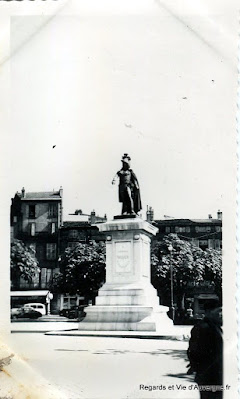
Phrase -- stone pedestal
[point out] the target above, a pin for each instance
(127, 301)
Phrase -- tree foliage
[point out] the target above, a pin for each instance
(23, 262)
(189, 264)
(82, 270)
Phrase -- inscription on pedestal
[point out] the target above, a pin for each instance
(123, 257)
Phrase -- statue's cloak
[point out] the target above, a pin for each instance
(135, 191)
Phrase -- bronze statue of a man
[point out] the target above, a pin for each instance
(129, 193)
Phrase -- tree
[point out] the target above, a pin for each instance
(82, 270)
(213, 268)
(189, 264)
(23, 263)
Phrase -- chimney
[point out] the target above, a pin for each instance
(219, 215)
(93, 217)
(149, 214)
(78, 212)
(61, 206)
(209, 216)
(23, 192)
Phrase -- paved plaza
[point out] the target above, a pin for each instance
(104, 367)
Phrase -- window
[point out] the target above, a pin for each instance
(217, 244)
(52, 210)
(32, 211)
(218, 229)
(51, 251)
(40, 250)
(168, 229)
(32, 229)
(15, 219)
(203, 229)
(43, 277)
(203, 244)
(195, 242)
(49, 276)
(185, 229)
(73, 234)
(69, 301)
(53, 228)
(211, 243)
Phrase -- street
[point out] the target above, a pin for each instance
(100, 367)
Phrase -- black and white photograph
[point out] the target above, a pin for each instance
(119, 192)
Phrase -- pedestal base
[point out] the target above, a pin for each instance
(126, 308)
(127, 301)
(125, 318)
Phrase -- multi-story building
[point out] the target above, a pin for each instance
(204, 233)
(80, 228)
(72, 233)
(35, 219)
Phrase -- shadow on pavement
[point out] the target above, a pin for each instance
(177, 354)
(185, 376)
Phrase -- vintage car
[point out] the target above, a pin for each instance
(39, 307)
(26, 313)
(75, 312)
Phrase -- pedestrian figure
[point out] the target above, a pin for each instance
(129, 193)
(205, 352)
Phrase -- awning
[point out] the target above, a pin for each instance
(30, 293)
(206, 296)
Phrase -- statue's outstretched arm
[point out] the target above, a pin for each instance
(114, 179)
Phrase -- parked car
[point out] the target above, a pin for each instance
(26, 313)
(75, 312)
(39, 307)
(15, 312)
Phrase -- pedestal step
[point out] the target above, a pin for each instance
(142, 295)
(117, 313)
(124, 318)
(118, 291)
(125, 300)
(122, 326)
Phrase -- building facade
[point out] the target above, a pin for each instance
(71, 233)
(36, 218)
(204, 233)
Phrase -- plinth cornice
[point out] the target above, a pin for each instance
(127, 224)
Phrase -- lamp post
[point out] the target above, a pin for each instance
(170, 248)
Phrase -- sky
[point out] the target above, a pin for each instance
(155, 82)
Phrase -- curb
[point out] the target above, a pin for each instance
(118, 334)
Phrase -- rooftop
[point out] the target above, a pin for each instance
(178, 221)
(75, 224)
(40, 195)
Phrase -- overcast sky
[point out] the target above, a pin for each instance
(158, 84)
